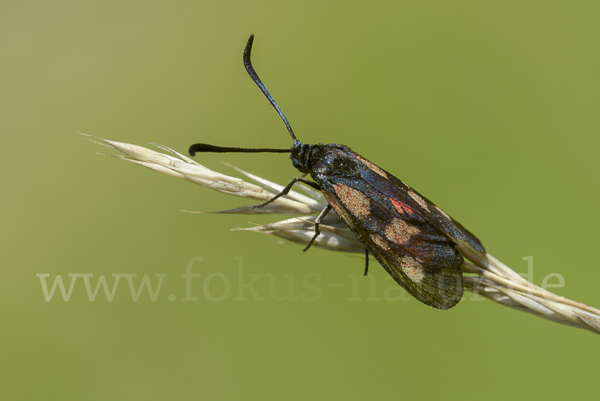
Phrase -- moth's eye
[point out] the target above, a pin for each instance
(296, 163)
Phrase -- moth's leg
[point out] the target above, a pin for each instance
(288, 187)
(318, 220)
(366, 261)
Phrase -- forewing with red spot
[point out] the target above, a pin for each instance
(416, 254)
(404, 196)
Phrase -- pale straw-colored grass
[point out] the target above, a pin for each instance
(483, 274)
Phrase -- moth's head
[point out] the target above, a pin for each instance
(299, 153)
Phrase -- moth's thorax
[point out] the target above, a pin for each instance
(324, 159)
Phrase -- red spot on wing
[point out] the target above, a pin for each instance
(401, 208)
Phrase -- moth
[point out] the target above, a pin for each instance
(412, 238)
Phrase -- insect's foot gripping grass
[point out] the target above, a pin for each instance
(318, 220)
(287, 190)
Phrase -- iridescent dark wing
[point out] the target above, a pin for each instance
(403, 195)
(420, 257)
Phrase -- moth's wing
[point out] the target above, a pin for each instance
(415, 253)
(397, 190)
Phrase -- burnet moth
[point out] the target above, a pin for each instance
(413, 239)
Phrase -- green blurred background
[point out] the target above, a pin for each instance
(491, 109)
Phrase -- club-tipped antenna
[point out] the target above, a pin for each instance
(263, 88)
